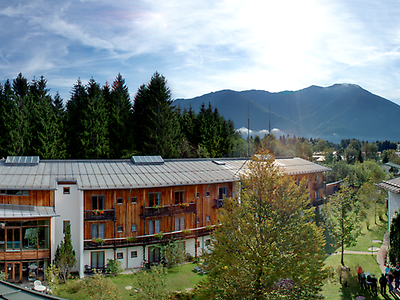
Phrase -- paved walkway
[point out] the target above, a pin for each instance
(355, 252)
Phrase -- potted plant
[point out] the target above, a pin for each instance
(98, 240)
(184, 205)
(131, 239)
(157, 206)
(159, 235)
(98, 212)
(208, 227)
(186, 231)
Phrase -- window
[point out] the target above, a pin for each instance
(316, 195)
(154, 226)
(14, 192)
(198, 220)
(120, 201)
(66, 191)
(179, 223)
(120, 229)
(97, 230)
(134, 200)
(154, 199)
(208, 218)
(208, 194)
(208, 242)
(133, 254)
(222, 192)
(134, 228)
(120, 255)
(154, 254)
(198, 244)
(197, 195)
(98, 202)
(97, 259)
(179, 197)
(65, 224)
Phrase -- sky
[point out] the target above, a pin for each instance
(204, 46)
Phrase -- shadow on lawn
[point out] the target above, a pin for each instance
(354, 289)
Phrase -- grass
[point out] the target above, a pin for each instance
(332, 289)
(179, 278)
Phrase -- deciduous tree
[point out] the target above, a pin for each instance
(343, 219)
(266, 237)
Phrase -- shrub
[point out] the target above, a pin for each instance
(113, 267)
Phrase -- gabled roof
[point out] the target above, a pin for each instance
(125, 173)
(392, 185)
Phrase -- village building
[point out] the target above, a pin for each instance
(393, 188)
(118, 209)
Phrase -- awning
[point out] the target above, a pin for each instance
(26, 211)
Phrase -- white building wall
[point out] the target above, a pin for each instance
(70, 208)
(393, 205)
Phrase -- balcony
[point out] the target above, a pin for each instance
(168, 210)
(217, 203)
(105, 214)
(147, 239)
(155, 212)
(184, 208)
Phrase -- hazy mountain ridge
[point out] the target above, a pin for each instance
(336, 112)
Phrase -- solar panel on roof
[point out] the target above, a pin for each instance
(147, 160)
(22, 160)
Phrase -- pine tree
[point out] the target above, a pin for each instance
(94, 137)
(119, 109)
(75, 107)
(64, 258)
(156, 125)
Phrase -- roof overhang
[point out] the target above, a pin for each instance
(12, 211)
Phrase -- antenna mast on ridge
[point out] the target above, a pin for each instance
(248, 127)
(269, 129)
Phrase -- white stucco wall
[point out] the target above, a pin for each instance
(393, 205)
(70, 208)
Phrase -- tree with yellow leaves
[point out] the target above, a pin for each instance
(267, 245)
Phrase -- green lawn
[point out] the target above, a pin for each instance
(178, 279)
(332, 289)
(181, 277)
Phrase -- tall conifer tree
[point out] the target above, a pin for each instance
(156, 124)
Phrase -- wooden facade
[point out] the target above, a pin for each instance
(138, 212)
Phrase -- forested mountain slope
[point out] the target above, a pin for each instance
(333, 113)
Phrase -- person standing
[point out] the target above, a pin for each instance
(396, 274)
(374, 285)
(390, 281)
(383, 283)
(387, 269)
(359, 272)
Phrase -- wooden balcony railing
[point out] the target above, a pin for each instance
(147, 239)
(167, 210)
(105, 214)
(183, 208)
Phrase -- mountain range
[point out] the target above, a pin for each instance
(340, 111)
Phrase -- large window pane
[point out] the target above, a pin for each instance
(2, 238)
(43, 237)
(29, 237)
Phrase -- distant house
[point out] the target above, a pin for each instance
(118, 209)
(393, 188)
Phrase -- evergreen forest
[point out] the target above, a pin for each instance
(101, 122)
